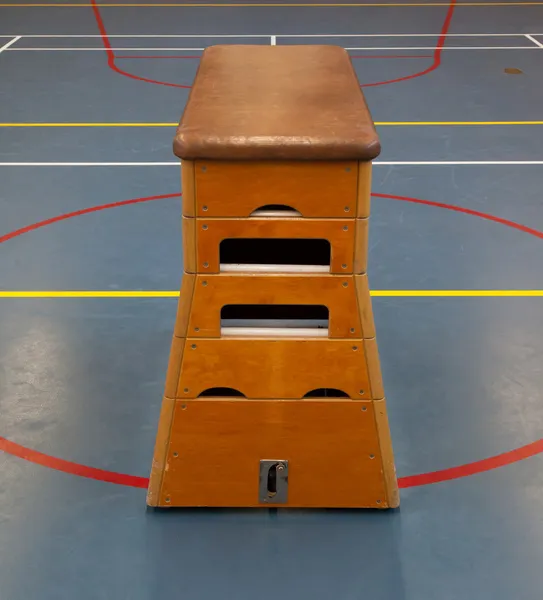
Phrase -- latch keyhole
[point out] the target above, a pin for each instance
(272, 481)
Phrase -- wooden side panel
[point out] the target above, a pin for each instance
(333, 291)
(374, 369)
(189, 244)
(162, 444)
(188, 188)
(237, 188)
(274, 367)
(332, 449)
(361, 246)
(184, 305)
(174, 367)
(339, 232)
(364, 190)
(387, 455)
(364, 305)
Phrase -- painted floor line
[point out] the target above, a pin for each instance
(268, 5)
(192, 49)
(379, 163)
(377, 123)
(532, 39)
(10, 43)
(277, 35)
(175, 293)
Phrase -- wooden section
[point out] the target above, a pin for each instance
(189, 244)
(387, 455)
(274, 368)
(336, 292)
(237, 188)
(374, 369)
(174, 367)
(364, 190)
(361, 246)
(184, 305)
(339, 232)
(162, 445)
(364, 305)
(332, 448)
(188, 188)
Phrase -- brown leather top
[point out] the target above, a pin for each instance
(276, 102)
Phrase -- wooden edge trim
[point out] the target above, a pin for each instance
(365, 310)
(364, 190)
(374, 369)
(184, 305)
(387, 454)
(189, 244)
(188, 188)
(174, 367)
(161, 451)
(360, 263)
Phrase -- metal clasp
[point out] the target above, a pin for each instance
(273, 482)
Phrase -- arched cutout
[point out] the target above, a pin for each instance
(326, 393)
(221, 392)
(275, 255)
(276, 210)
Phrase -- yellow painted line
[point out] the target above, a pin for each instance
(272, 4)
(175, 294)
(377, 123)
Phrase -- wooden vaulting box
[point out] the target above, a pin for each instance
(274, 394)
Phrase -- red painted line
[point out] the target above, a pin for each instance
(480, 466)
(437, 52)
(111, 56)
(58, 464)
(467, 211)
(72, 468)
(77, 213)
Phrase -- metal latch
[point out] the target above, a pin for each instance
(273, 482)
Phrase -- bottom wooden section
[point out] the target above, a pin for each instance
(333, 448)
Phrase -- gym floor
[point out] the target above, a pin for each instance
(91, 262)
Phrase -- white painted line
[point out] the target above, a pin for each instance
(10, 43)
(285, 35)
(102, 49)
(379, 163)
(451, 48)
(273, 40)
(532, 39)
(370, 48)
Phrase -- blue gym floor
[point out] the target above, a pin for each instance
(87, 305)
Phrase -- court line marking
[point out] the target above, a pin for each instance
(175, 293)
(378, 163)
(177, 49)
(270, 5)
(377, 123)
(278, 35)
(532, 39)
(10, 43)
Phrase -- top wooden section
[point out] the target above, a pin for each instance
(276, 103)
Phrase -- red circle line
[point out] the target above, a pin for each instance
(72, 468)
(436, 62)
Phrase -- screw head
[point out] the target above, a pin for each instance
(204, 227)
(193, 347)
(204, 283)
(348, 169)
(186, 390)
(204, 207)
(196, 329)
(204, 169)
(372, 456)
(206, 265)
(344, 284)
(183, 407)
(355, 348)
(364, 409)
(345, 228)
(343, 266)
(167, 499)
(378, 501)
(346, 209)
(352, 329)
(175, 454)
(361, 392)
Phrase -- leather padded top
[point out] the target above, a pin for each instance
(276, 103)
